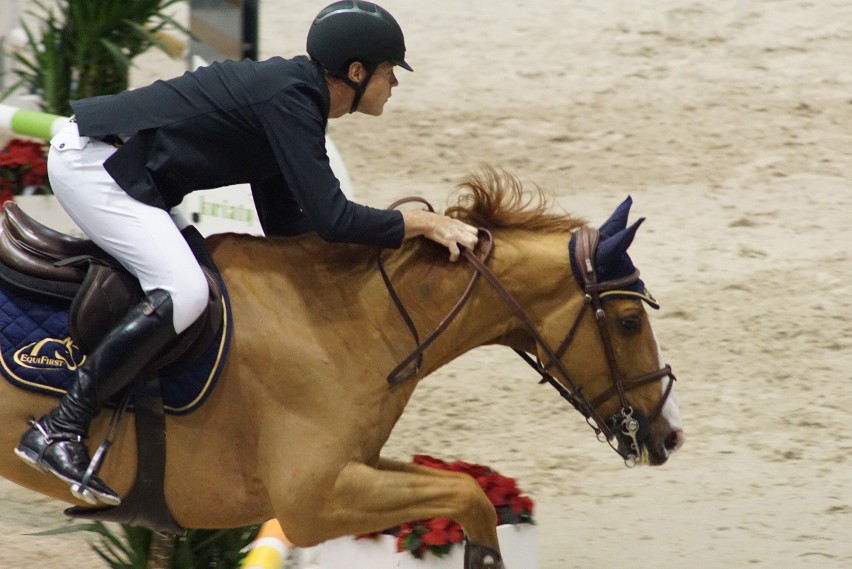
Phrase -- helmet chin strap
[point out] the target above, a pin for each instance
(359, 88)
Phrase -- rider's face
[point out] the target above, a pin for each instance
(378, 90)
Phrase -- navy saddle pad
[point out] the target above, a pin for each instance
(37, 353)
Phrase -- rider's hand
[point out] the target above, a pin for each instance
(447, 231)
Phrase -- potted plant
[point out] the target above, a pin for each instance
(75, 49)
(123, 546)
(438, 543)
(84, 48)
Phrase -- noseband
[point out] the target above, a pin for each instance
(634, 427)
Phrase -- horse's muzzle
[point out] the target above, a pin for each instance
(660, 448)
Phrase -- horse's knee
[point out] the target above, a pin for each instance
(475, 505)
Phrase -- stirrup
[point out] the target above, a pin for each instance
(33, 453)
(81, 490)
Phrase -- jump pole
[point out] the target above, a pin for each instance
(270, 548)
(34, 124)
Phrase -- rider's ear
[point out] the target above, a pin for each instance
(357, 71)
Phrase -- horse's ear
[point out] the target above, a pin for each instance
(618, 220)
(611, 248)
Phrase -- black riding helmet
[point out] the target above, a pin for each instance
(352, 30)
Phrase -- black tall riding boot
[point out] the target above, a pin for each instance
(54, 443)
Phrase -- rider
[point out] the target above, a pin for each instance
(124, 161)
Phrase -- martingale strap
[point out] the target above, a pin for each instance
(404, 370)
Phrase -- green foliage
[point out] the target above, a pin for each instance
(213, 549)
(84, 48)
(133, 547)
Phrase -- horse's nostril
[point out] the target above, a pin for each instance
(674, 440)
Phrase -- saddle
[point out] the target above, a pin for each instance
(50, 266)
(45, 263)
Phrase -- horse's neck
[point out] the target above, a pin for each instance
(312, 284)
(534, 269)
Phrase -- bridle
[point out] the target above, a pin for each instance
(633, 426)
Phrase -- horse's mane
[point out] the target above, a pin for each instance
(489, 198)
(495, 199)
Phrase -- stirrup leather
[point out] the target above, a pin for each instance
(100, 454)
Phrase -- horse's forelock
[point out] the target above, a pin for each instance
(495, 199)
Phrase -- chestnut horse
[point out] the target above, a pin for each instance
(296, 425)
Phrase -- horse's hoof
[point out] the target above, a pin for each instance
(481, 556)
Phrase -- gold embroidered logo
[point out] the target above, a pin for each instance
(50, 353)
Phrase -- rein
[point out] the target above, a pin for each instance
(634, 428)
(399, 374)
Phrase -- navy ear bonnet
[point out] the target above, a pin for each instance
(611, 260)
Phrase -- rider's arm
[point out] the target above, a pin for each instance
(296, 132)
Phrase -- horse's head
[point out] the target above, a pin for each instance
(610, 364)
(596, 347)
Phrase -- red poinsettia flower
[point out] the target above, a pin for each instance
(23, 165)
(430, 461)
(499, 489)
(35, 174)
(442, 531)
(22, 153)
(437, 536)
(405, 530)
(7, 190)
(475, 470)
(521, 504)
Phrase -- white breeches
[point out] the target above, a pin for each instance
(143, 238)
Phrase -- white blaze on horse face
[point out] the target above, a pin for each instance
(670, 412)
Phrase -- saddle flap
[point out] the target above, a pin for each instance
(105, 296)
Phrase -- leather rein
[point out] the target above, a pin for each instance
(634, 427)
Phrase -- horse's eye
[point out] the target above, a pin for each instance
(631, 323)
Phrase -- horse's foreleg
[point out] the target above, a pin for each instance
(365, 499)
(476, 555)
